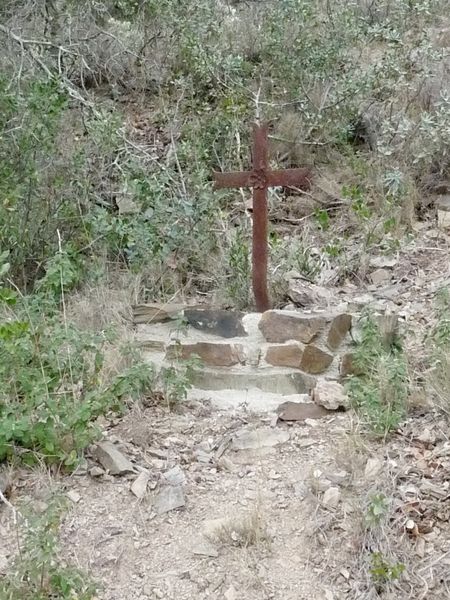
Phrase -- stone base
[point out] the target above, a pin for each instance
(278, 352)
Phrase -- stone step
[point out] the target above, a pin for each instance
(271, 380)
(253, 399)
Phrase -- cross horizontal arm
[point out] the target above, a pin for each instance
(232, 179)
(299, 178)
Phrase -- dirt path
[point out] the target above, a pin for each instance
(266, 494)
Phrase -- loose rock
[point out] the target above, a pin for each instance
(339, 328)
(96, 472)
(331, 497)
(169, 498)
(139, 485)
(301, 411)
(373, 468)
(259, 438)
(379, 276)
(330, 394)
(205, 549)
(74, 496)
(383, 262)
(175, 476)
(112, 459)
(306, 294)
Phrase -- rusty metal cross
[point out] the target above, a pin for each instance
(260, 179)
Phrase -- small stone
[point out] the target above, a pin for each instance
(339, 328)
(315, 360)
(301, 411)
(157, 453)
(306, 294)
(379, 276)
(230, 594)
(420, 547)
(216, 354)
(112, 459)
(443, 218)
(373, 468)
(205, 549)
(410, 525)
(330, 394)
(285, 355)
(383, 262)
(427, 436)
(74, 496)
(175, 476)
(259, 438)
(301, 490)
(126, 205)
(224, 323)
(279, 326)
(139, 485)
(203, 457)
(169, 498)
(331, 497)
(225, 464)
(96, 472)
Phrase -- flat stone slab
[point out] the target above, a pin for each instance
(156, 313)
(285, 355)
(300, 411)
(264, 437)
(276, 381)
(210, 353)
(253, 399)
(224, 323)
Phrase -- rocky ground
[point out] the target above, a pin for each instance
(259, 510)
(203, 503)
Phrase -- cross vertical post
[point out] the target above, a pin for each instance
(260, 179)
(260, 246)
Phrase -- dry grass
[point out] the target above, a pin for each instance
(242, 531)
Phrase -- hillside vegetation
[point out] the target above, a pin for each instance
(113, 115)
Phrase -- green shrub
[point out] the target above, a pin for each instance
(38, 572)
(380, 393)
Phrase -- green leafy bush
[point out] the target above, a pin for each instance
(52, 388)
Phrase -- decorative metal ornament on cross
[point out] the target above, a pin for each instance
(260, 179)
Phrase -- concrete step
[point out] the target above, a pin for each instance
(253, 399)
(275, 380)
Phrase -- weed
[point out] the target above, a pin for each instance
(38, 572)
(51, 372)
(175, 380)
(380, 394)
(382, 571)
(377, 509)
